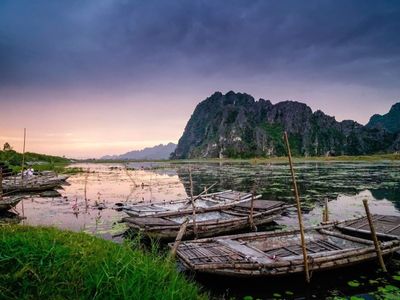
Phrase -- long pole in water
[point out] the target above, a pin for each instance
(296, 194)
(23, 156)
(373, 234)
(193, 206)
(1, 184)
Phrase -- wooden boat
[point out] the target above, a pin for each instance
(277, 253)
(212, 221)
(34, 183)
(9, 202)
(202, 203)
(387, 227)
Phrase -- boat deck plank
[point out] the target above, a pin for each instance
(383, 224)
(153, 221)
(260, 204)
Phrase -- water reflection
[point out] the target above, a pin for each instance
(316, 181)
(107, 184)
(344, 184)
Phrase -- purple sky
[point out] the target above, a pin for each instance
(89, 78)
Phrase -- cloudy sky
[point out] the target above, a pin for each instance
(88, 78)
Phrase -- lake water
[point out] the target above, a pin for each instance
(344, 184)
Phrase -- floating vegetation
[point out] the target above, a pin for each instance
(353, 283)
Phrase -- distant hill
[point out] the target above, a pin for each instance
(157, 152)
(235, 125)
(389, 121)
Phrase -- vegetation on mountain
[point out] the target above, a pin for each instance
(234, 125)
(389, 121)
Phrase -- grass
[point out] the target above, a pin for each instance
(277, 159)
(60, 168)
(40, 162)
(47, 263)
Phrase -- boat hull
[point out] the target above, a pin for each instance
(277, 253)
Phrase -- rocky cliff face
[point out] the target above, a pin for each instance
(235, 125)
(389, 121)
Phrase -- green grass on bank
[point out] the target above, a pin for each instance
(14, 158)
(60, 168)
(39, 162)
(260, 160)
(47, 263)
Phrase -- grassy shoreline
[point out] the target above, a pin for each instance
(261, 160)
(48, 263)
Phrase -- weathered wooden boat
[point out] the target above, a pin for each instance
(34, 183)
(387, 227)
(6, 203)
(213, 221)
(278, 253)
(202, 203)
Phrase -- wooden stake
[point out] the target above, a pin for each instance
(193, 206)
(23, 156)
(326, 211)
(85, 187)
(251, 219)
(1, 184)
(373, 234)
(296, 194)
(179, 237)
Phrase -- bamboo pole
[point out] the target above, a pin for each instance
(85, 186)
(326, 210)
(23, 156)
(206, 189)
(1, 184)
(192, 201)
(296, 194)
(373, 234)
(325, 213)
(179, 237)
(251, 218)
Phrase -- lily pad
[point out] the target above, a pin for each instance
(353, 283)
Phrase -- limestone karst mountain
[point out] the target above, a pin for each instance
(235, 125)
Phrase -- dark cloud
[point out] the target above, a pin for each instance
(82, 42)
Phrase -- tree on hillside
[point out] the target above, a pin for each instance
(7, 147)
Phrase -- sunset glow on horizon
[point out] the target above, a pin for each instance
(97, 78)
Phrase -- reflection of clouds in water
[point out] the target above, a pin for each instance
(107, 184)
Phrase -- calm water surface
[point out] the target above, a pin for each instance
(343, 184)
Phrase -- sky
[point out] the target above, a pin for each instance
(96, 77)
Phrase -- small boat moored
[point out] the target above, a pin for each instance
(208, 221)
(202, 203)
(387, 227)
(278, 253)
(6, 203)
(34, 183)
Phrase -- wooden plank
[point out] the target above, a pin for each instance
(251, 253)
(261, 204)
(143, 221)
(384, 224)
(393, 229)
